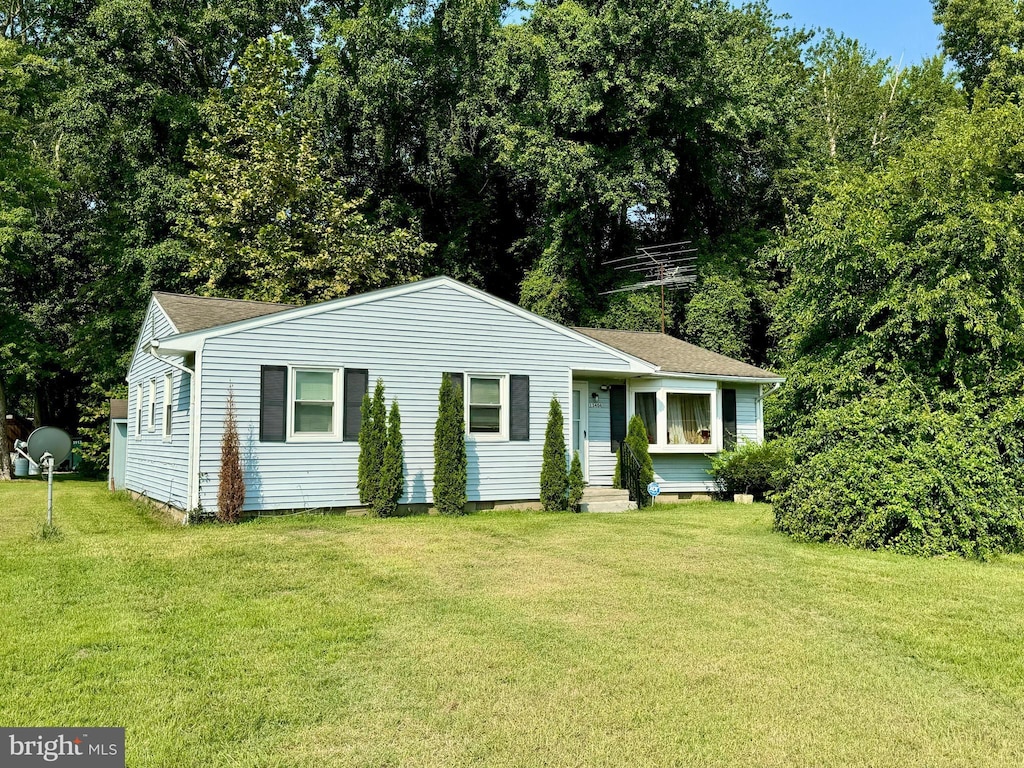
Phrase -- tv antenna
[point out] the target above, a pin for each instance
(669, 265)
(47, 447)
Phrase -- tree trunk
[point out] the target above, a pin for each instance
(5, 445)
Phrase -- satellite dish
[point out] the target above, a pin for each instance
(51, 440)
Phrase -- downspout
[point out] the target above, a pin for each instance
(760, 407)
(193, 433)
(765, 395)
(154, 345)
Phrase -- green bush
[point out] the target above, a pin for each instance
(757, 468)
(616, 473)
(449, 451)
(636, 439)
(575, 483)
(888, 472)
(392, 478)
(372, 440)
(554, 479)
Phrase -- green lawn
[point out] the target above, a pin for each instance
(687, 635)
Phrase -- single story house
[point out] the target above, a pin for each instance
(298, 374)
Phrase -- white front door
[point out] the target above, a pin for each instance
(580, 404)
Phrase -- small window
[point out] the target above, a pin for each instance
(138, 409)
(313, 407)
(645, 405)
(485, 405)
(151, 424)
(168, 386)
(689, 419)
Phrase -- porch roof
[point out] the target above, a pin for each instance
(673, 355)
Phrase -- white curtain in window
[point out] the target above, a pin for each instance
(676, 432)
(697, 418)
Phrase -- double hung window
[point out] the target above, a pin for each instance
(313, 404)
(486, 416)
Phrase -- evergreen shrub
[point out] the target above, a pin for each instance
(575, 483)
(372, 440)
(449, 451)
(554, 479)
(392, 478)
(231, 490)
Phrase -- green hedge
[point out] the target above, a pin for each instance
(886, 472)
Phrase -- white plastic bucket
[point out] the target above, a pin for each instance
(20, 467)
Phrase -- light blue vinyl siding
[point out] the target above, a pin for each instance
(684, 472)
(156, 466)
(746, 413)
(408, 341)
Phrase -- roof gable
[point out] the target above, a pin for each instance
(673, 355)
(275, 313)
(198, 313)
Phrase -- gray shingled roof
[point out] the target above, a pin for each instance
(197, 313)
(675, 356)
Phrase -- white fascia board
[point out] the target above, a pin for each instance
(715, 377)
(194, 341)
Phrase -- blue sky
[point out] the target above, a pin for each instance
(890, 27)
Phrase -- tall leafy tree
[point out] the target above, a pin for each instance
(265, 219)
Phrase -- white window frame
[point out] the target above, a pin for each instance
(151, 412)
(315, 437)
(661, 390)
(138, 410)
(168, 405)
(503, 405)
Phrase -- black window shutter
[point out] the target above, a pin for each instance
(729, 418)
(519, 413)
(457, 382)
(617, 402)
(357, 382)
(273, 403)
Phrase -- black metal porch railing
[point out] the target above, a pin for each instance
(631, 476)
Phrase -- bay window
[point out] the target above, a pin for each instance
(678, 418)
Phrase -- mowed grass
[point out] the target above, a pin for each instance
(689, 635)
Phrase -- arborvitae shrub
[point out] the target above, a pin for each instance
(616, 479)
(392, 479)
(554, 480)
(636, 439)
(372, 439)
(449, 451)
(231, 491)
(575, 483)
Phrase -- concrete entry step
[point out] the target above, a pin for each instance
(617, 505)
(602, 493)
